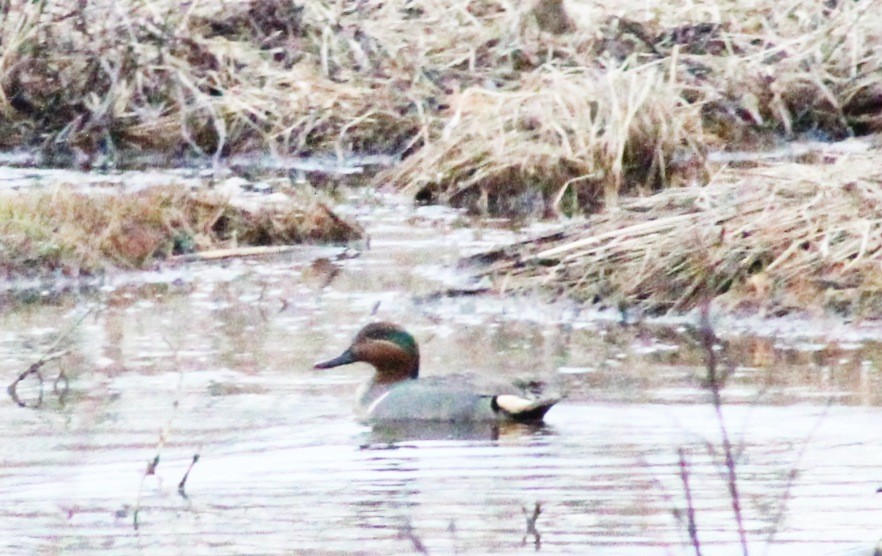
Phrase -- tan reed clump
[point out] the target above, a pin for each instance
(78, 232)
(777, 239)
(577, 138)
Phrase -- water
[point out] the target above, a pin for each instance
(215, 360)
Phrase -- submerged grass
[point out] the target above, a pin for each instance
(77, 232)
(774, 239)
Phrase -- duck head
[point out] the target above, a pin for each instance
(390, 349)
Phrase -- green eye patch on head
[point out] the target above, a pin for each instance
(389, 333)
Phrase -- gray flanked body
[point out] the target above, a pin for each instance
(396, 393)
(425, 400)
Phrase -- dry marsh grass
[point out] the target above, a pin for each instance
(773, 239)
(76, 232)
(546, 107)
(571, 102)
(579, 138)
(635, 96)
(214, 78)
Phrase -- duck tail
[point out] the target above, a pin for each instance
(521, 409)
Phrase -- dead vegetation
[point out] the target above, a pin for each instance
(775, 239)
(209, 78)
(536, 106)
(78, 232)
(625, 103)
(548, 107)
(565, 142)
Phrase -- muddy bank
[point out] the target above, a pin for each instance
(773, 239)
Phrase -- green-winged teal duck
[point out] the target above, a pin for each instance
(395, 392)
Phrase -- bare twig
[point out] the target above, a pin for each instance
(793, 475)
(690, 508)
(62, 390)
(33, 370)
(150, 470)
(531, 519)
(236, 252)
(49, 355)
(407, 532)
(183, 483)
(163, 438)
(715, 382)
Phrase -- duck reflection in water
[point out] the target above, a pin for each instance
(392, 432)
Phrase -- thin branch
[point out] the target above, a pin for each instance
(49, 355)
(715, 384)
(407, 532)
(163, 438)
(793, 475)
(690, 507)
(531, 519)
(182, 485)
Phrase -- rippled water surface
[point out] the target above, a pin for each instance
(215, 361)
